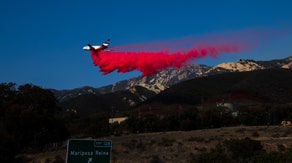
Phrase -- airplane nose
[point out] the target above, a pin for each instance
(85, 48)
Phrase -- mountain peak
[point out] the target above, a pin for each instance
(239, 66)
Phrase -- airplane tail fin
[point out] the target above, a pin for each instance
(106, 43)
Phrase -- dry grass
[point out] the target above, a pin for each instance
(179, 146)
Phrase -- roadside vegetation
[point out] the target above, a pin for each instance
(242, 150)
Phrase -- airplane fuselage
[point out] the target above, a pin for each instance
(92, 47)
(97, 48)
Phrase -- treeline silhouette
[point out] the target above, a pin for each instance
(28, 120)
(192, 118)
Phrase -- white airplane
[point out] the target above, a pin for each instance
(97, 48)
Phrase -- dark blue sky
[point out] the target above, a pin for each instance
(41, 41)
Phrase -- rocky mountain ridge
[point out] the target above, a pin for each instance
(155, 83)
(167, 78)
(239, 66)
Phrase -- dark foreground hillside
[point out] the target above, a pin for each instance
(269, 85)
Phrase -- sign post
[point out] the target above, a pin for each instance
(88, 151)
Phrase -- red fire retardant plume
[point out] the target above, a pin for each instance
(150, 63)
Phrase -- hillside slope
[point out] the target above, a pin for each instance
(119, 101)
(271, 85)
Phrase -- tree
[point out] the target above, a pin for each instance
(213, 117)
(189, 119)
(135, 124)
(29, 116)
(151, 123)
(8, 148)
(7, 92)
(95, 125)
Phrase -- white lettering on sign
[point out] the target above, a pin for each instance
(102, 144)
(81, 153)
(101, 153)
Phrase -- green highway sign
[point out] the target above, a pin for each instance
(88, 151)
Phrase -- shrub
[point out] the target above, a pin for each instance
(255, 134)
(244, 149)
(217, 155)
(268, 157)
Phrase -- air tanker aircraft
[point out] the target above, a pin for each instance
(97, 48)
